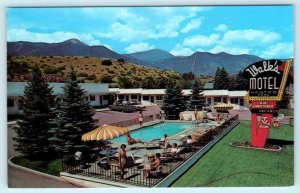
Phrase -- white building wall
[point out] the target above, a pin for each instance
(13, 110)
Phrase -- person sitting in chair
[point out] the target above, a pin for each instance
(152, 166)
(164, 141)
(131, 141)
(172, 150)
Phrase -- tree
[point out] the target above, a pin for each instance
(74, 117)
(285, 101)
(106, 63)
(221, 79)
(241, 82)
(196, 97)
(161, 82)
(173, 102)
(125, 82)
(32, 130)
(148, 83)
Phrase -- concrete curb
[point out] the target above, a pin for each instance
(10, 163)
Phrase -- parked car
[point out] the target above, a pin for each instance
(123, 108)
(138, 106)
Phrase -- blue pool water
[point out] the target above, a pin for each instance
(155, 131)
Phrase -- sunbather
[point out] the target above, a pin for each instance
(152, 166)
(164, 141)
(131, 141)
(172, 150)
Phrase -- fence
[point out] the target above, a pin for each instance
(134, 173)
(127, 123)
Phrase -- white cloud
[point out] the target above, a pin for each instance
(250, 36)
(229, 50)
(279, 50)
(139, 47)
(59, 36)
(201, 40)
(125, 33)
(179, 50)
(193, 24)
(222, 28)
(168, 28)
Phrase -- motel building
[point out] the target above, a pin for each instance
(154, 97)
(100, 95)
(97, 94)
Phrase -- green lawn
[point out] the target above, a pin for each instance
(286, 112)
(49, 167)
(225, 166)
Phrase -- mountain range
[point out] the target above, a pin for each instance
(204, 63)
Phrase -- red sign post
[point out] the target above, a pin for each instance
(267, 81)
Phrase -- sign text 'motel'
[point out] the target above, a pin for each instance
(264, 78)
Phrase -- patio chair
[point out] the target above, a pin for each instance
(167, 156)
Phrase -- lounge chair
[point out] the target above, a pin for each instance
(167, 156)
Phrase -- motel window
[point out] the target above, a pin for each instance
(92, 98)
(121, 97)
(224, 100)
(241, 102)
(146, 98)
(209, 100)
(217, 99)
(10, 103)
(234, 100)
(159, 97)
(134, 97)
(105, 97)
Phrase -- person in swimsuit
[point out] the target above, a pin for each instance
(152, 166)
(122, 160)
(141, 118)
(131, 141)
(195, 112)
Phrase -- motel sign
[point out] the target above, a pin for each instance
(267, 81)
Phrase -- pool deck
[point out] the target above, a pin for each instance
(140, 150)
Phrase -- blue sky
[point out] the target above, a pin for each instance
(265, 31)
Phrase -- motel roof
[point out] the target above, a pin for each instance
(215, 92)
(17, 88)
(126, 91)
(239, 93)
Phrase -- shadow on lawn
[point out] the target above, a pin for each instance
(279, 142)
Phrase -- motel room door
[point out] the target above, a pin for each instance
(152, 99)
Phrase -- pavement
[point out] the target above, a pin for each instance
(20, 178)
(109, 117)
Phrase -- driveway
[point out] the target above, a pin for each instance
(109, 117)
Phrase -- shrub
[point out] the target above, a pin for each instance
(82, 74)
(91, 77)
(51, 70)
(106, 63)
(107, 79)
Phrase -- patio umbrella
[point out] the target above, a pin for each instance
(104, 132)
(222, 107)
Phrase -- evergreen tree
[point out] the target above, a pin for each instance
(173, 102)
(221, 79)
(217, 79)
(285, 101)
(241, 82)
(74, 117)
(32, 130)
(196, 97)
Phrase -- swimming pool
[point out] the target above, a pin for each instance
(155, 131)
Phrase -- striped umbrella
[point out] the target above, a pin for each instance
(222, 107)
(104, 132)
